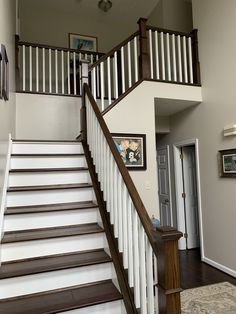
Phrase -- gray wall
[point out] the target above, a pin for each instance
(216, 21)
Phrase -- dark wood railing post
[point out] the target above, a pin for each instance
(84, 80)
(168, 270)
(195, 57)
(17, 68)
(144, 55)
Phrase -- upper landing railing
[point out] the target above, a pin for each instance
(149, 54)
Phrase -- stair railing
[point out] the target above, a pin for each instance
(149, 256)
(151, 53)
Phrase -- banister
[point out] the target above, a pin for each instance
(168, 31)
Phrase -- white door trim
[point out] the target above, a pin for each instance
(178, 191)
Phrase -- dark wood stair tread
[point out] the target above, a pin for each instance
(48, 169)
(48, 187)
(52, 263)
(52, 232)
(60, 300)
(49, 207)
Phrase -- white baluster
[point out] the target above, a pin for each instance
(157, 56)
(174, 57)
(135, 59)
(150, 52)
(23, 64)
(122, 69)
(150, 281)
(56, 70)
(98, 79)
(74, 73)
(125, 226)
(190, 59)
(136, 259)
(102, 85)
(119, 199)
(62, 73)
(50, 70)
(185, 60)
(179, 59)
(129, 65)
(94, 84)
(68, 72)
(44, 89)
(109, 79)
(111, 186)
(130, 242)
(30, 68)
(115, 76)
(143, 277)
(115, 184)
(163, 57)
(168, 56)
(37, 69)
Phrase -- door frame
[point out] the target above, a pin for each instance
(179, 189)
(167, 147)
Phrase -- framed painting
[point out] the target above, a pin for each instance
(82, 42)
(228, 163)
(132, 149)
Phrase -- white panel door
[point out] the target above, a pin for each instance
(164, 186)
(191, 201)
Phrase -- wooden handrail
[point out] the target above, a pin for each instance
(168, 31)
(35, 45)
(111, 52)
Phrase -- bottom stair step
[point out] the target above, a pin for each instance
(51, 263)
(60, 300)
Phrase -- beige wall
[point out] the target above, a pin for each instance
(7, 108)
(47, 117)
(216, 21)
(172, 14)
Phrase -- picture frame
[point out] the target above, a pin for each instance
(132, 149)
(83, 42)
(227, 163)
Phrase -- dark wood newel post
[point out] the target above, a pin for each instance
(195, 57)
(144, 55)
(17, 69)
(83, 79)
(168, 270)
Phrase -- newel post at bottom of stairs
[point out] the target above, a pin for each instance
(168, 270)
(84, 79)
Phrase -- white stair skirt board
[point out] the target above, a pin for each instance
(47, 162)
(50, 219)
(27, 249)
(42, 178)
(49, 196)
(55, 280)
(47, 148)
(116, 307)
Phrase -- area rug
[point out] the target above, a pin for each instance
(213, 299)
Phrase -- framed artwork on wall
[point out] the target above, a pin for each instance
(228, 163)
(83, 42)
(132, 149)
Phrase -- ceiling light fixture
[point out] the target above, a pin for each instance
(105, 5)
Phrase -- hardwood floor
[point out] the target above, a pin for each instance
(195, 273)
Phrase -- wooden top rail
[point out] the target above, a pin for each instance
(141, 210)
(35, 45)
(111, 52)
(168, 31)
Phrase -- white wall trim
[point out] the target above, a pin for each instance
(221, 267)
(5, 185)
(179, 199)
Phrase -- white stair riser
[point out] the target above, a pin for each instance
(43, 178)
(116, 307)
(47, 162)
(52, 219)
(46, 148)
(54, 280)
(49, 196)
(27, 249)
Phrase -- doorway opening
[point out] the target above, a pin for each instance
(188, 196)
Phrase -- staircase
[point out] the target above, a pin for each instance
(54, 253)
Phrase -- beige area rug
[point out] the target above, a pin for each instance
(213, 299)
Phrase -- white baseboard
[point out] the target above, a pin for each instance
(223, 268)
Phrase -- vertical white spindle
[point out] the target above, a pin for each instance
(130, 242)
(120, 220)
(94, 83)
(179, 59)
(111, 185)
(109, 79)
(125, 226)
(102, 85)
(37, 69)
(62, 73)
(185, 60)
(174, 57)
(150, 281)
(68, 71)
(136, 259)
(98, 77)
(115, 184)
(115, 76)
(23, 64)
(44, 89)
(56, 70)
(143, 278)
(157, 56)
(168, 55)
(135, 59)
(122, 69)
(163, 57)
(50, 70)
(190, 60)
(74, 73)
(151, 52)
(30, 68)
(129, 64)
